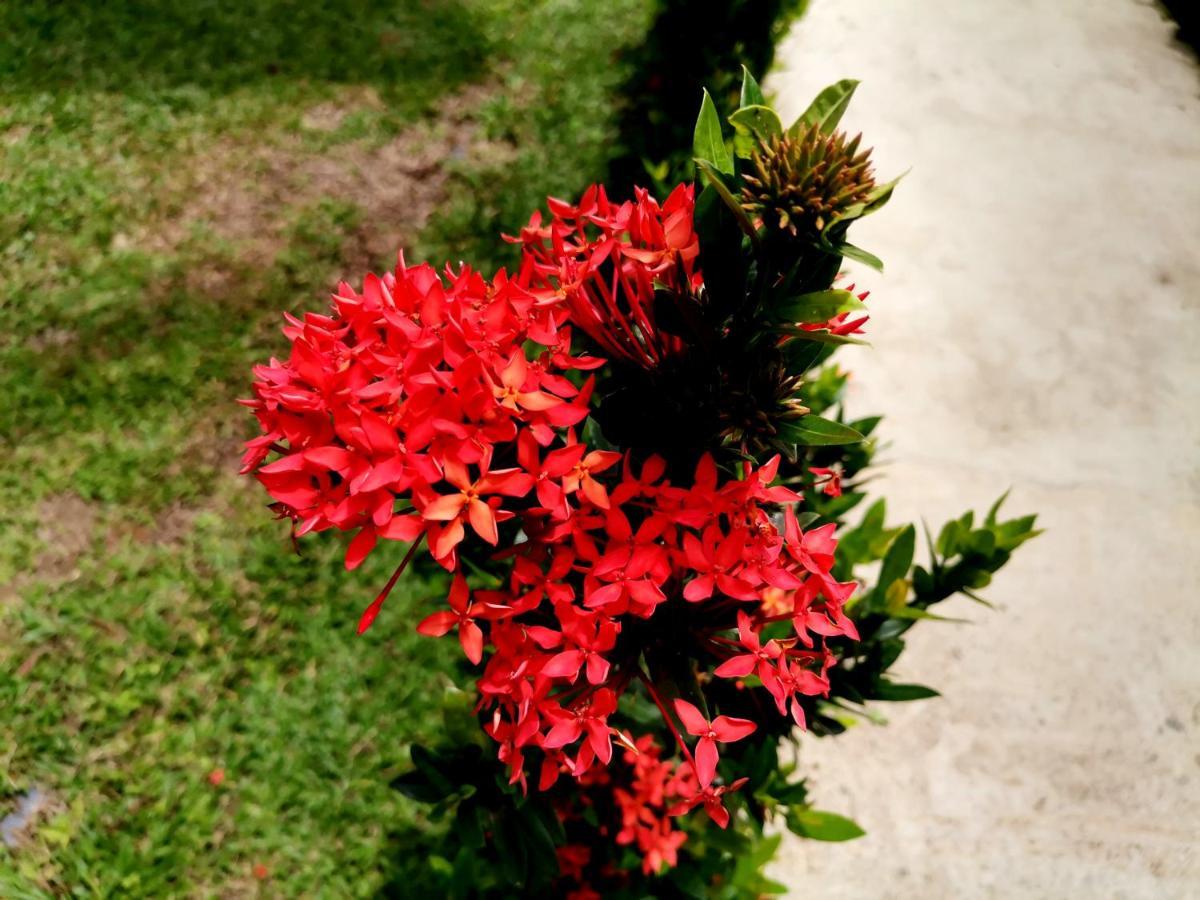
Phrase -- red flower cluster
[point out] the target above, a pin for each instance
(606, 260)
(434, 407)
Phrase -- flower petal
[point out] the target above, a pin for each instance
(727, 728)
(470, 636)
(706, 761)
(692, 719)
(437, 624)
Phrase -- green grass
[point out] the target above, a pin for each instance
(154, 624)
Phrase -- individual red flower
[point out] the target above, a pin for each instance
(588, 637)
(829, 480)
(589, 718)
(711, 798)
(723, 728)
(461, 613)
(582, 476)
(760, 657)
(468, 502)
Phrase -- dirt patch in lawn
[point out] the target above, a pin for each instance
(66, 526)
(247, 192)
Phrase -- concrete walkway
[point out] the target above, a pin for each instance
(1039, 326)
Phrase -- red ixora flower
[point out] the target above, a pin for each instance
(723, 728)
(443, 408)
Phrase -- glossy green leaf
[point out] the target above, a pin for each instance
(752, 94)
(752, 124)
(880, 195)
(803, 355)
(823, 337)
(814, 431)
(876, 200)
(896, 596)
(827, 108)
(823, 826)
(708, 143)
(896, 562)
(713, 177)
(819, 306)
(858, 254)
(896, 693)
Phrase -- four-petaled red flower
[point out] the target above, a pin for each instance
(723, 728)
(461, 613)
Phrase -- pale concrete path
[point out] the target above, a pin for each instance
(1038, 325)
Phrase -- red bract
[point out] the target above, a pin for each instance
(448, 408)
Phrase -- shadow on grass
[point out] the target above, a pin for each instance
(683, 53)
(220, 45)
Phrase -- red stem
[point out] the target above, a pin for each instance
(667, 718)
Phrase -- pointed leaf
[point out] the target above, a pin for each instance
(827, 108)
(708, 143)
(818, 306)
(995, 510)
(823, 826)
(824, 337)
(752, 94)
(858, 254)
(713, 177)
(896, 693)
(814, 431)
(899, 557)
(752, 124)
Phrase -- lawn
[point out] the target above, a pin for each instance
(185, 694)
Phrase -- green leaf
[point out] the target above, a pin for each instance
(435, 768)
(803, 355)
(708, 143)
(823, 337)
(823, 826)
(867, 424)
(819, 306)
(1014, 532)
(880, 195)
(995, 510)
(948, 539)
(752, 124)
(713, 177)
(814, 431)
(896, 693)
(416, 786)
(915, 613)
(826, 110)
(858, 254)
(752, 94)
(974, 596)
(895, 598)
(898, 559)
(876, 200)
(467, 827)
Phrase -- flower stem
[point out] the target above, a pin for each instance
(667, 718)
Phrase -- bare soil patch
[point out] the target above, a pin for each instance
(246, 192)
